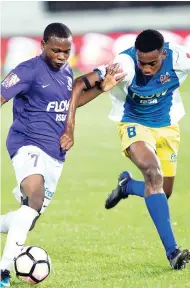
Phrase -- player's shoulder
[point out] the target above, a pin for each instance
(130, 52)
(176, 47)
(30, 64)
(178, 52)
(68, 69)
(26, 69)
(127, 57)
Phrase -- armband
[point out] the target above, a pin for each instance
(87, 83)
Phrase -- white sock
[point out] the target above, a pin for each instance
(18, 229)
(17, 194)
(5, 221)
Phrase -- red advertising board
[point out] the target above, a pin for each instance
(89, 50)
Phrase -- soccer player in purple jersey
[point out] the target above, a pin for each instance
(41, 88)
(147, 108)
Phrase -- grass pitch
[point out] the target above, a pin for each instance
(90, 246)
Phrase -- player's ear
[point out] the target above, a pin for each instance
(43, 45)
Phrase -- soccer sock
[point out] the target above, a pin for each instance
(158, 208)
(5, 221)
(134, 187)
(18, 229)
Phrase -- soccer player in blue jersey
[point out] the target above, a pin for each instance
(147, 108)
(41, 88)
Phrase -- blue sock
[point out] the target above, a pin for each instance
(134, 187)
(158, 208)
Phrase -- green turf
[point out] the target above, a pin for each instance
(90, 246)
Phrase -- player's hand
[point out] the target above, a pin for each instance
(111, 80)
(67, 139)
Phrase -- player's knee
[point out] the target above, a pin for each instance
(153, 177)
(36, 200)
(34, 192)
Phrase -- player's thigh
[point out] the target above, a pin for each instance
(167, 146)
(145, 158)
(33, 184)
(131, 133)
(31, 162)
(138, 144)
(51, 177)
(29, 169)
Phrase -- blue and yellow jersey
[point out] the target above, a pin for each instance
(153, 101)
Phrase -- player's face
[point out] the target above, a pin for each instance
(150, 62)
(56, 51)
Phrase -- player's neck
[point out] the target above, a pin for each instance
(48, 65)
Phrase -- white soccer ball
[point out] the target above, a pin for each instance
(33, 264)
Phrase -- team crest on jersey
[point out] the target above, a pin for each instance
(10, 80)
(165, 78)
(70, 83)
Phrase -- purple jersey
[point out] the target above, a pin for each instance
(41, 102)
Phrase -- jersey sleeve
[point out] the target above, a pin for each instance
(18, 81)
(181, 58)
(126, 65)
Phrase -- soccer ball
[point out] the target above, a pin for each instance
(33, 264)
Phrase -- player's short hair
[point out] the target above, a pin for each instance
(149, 40)
(56, 29)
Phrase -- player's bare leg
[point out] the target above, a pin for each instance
(168, 186)
(22, 220)
(32, 187)
(144, 157)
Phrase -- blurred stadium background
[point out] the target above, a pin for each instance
(101, 29)
(89, 246)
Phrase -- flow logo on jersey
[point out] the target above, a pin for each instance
(165, 78)
(148, 99)
(58, 106)
(173, 157)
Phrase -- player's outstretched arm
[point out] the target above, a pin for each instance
(3, 100)
(86, 88)
(89, 82)
(90, 85)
